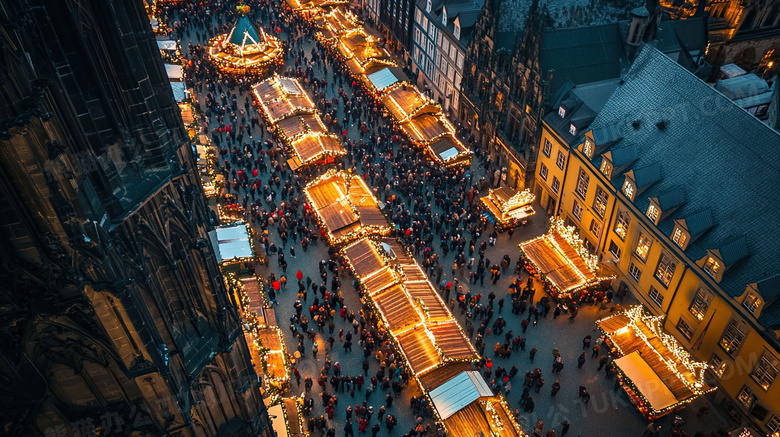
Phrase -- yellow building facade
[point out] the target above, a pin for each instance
(678, 255)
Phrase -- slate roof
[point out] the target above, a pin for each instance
(466, 11)
(727, 161)
(769, 289)
(672, 198)
(582, 104)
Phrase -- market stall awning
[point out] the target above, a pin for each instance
(280, 97)
(403, 101)
(507, 205)
(178, 91)
(458, 392)
(449, 151)
(646, 380)
(657, 366)
(166, 44)
(486, 416)
(175, 72)
(385, 77)
(231, 243)
(292, 126)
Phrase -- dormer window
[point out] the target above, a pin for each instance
(587, 148)
(712, 266)
(752, 302)
(561, 111)
(652, 213)
(572, 129)
(606, 168)
(444, 16)
(628, 189)
(456, 31)
(428, 6)
(679, 237)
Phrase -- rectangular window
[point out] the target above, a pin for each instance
(595, 227)
(717, 365)
(665, 269)
(752, 301)
(577, 210)
(543, 172)
(652, 213)
(417, 16)
(700, 304)
(733, 336)
(773, 425)
(712, 266)
(561, 160)
(556, 185)
(656, 296)
(746, 397)
(606, 168)
(621, 224)
(600, 202)
(572, 129)
(582, 183)
(614, 249)
(453, 52)
(643, 246)
(766, 371)
(634, 271)
(547, 149)
(679, 237)
(684, 328)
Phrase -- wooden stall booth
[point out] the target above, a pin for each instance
(506, 207)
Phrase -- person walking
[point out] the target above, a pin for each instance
(314, 349)
(581, 360)
(565, 427)
(556, 387)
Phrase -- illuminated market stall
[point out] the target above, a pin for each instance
(280, 97)
(507, 207)
(656, 372)
(232, 247)
(247, 48)
(378, 78)
(306, 7)
(562, 260)
(360, 50)
(335, 23)
(345, 207)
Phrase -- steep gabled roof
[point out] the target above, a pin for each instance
(727, 161)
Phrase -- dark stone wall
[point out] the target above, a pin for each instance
(113, 316)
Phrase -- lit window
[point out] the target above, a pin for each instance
(547, 149)
(766, 371)
(595, 227)
(587, 148)
(628, 190)
(600, 202)
(444, 16)
(577, 210)
(684, 328)
(621, 224)
(746, 397)
(634, 271)
(733, 336)
(701, 303)
(717, 365)
(606, 168)
(652, 213)
(582, 183)
(773, 426)
(562, 111)
(556, 185)
(679, 237)
(543, 172)
(561, 162)
(711, 266)
(752, 302)
(614, 249)
(456, 31)
(665, 269)
(643, 246)
(572, 129)
(428, 6)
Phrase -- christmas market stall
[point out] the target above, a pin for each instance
(169, 50)
(656, 372)
(286, 416)
(246, 49)
(403, 101)
(378, 78)
(309, 7)
(562, 260)
(449, 151)
(269, 344)
(280, 97)
(506, 207)
(345, 207)
(315, 149)
(335, 23)
(232, 247)
(360, 50)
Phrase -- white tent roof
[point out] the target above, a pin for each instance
(175, 72)
(178, 91)
(459, 392)
(646, 380)
(166, 44)
(382, 78)
(230, 242)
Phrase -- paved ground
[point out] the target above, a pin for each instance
(608, 413)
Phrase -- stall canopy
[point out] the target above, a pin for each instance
(231, 242)
(166, 44)
(175, 72)
(449, 151)
(562, 258)
(385, 76)
(281, 96)
(458, 392)
(656, 371)
(178, 91)
(507, 205)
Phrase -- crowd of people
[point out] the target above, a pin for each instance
(436, 210)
